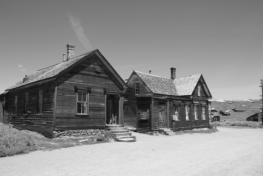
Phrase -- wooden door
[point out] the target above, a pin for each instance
(112, 109)
(162, 116)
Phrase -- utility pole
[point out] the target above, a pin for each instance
(261, 106)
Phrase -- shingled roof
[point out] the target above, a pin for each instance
(179, 87)
(48, 72)
(54, 70)
(186, 85)
(157, 84)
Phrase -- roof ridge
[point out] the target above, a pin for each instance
(50, 71)
(151, 74)
(75, 57)
(196, 74)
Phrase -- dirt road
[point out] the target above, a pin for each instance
(228, 152)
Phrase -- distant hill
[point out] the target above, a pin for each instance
(250, 107)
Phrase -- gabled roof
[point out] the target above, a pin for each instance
(186, 85)
(54, 70)
(183, 86)
(157, 84)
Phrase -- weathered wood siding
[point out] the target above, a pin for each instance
(25, 110)
(90, 75)
(143, 90)
(130, 109)
(155, 110)
(182, 123)
(202, 92)
(1, 112)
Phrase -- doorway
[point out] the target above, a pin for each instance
(112, 108)
(162, 110)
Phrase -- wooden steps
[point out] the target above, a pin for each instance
(120, 133)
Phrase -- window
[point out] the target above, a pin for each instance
(203, 113)
(195, 112)
(26, 102)
(15, 104)
(137, 91)
(199, 90)
(82, 102)
(33, 102)
(47, 99)
(187, 110)
(176, 114)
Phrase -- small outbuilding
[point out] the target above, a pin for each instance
(256, 117)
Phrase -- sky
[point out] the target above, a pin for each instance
(222, 39)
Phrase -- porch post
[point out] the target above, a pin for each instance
(121, 111)
(168, 114)
(151, 114)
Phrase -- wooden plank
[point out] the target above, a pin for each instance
(120, 110)
(168, 113)
(54, 106)
(40, 100)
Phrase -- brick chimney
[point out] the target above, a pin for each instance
(173, 73)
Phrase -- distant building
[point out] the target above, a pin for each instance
(256, 117)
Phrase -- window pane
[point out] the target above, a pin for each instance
(176, 114)
(79, 96)
(79, 107)
(137, 88)
(84, 96)
(187, 112)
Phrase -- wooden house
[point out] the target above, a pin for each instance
(155, 102)
(77, 93)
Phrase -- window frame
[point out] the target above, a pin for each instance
(137, 88)
(199, 90)
(195, 112)
(187, 112)
(86, 102)
(176, 109)
(203, 113)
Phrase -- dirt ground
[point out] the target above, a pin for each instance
(230, 151)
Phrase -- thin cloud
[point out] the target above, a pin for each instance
(79, 31)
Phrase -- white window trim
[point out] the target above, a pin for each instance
(174, 116)
(86, 102)
(199, 90)
(187, 111)
(203, 113)
(195, 112)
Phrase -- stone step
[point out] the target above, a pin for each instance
(121, 134)
(126, 139)
(119, 130)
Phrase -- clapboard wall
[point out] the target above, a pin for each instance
(92, 76)
(31, 108)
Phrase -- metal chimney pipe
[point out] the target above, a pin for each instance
(173, 73)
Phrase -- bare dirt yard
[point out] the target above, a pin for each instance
(230, 151)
